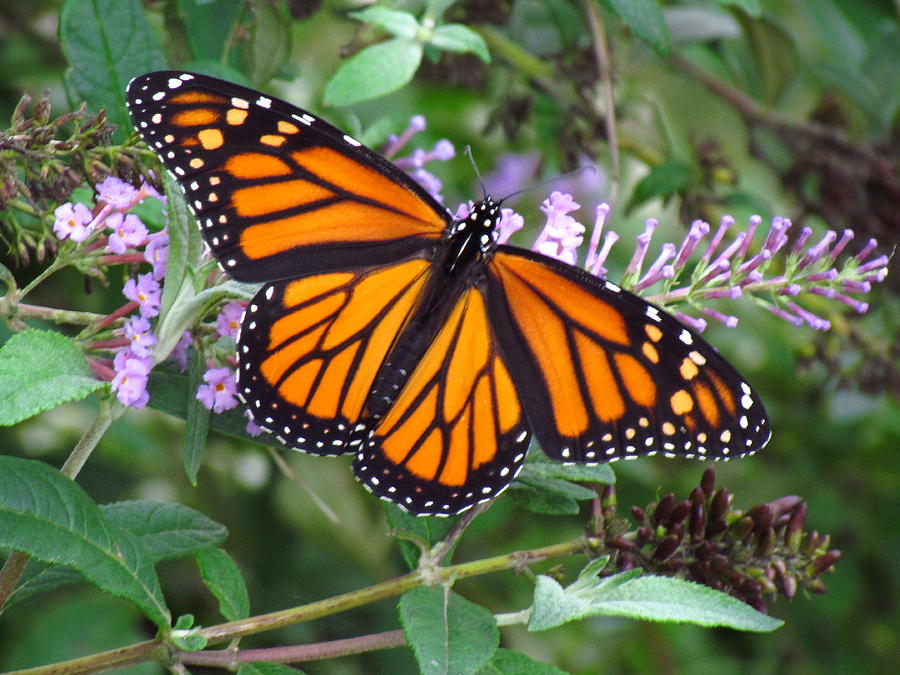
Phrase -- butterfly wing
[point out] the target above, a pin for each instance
(455, 435)
(604, 375)
(277, 191)
(310, 350)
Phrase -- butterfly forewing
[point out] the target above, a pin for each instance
(277, 191)
(604, 375)
(456, 433)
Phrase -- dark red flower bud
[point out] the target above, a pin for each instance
(823, 562)
(666, 547)
(697, 523)
(638, 514)
(718, 507)
(679, 513)
(663, 509)
(708, 482)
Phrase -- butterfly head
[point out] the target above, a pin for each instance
(473, 237)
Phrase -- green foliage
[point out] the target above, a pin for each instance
(650, 598)
(447, 633)
(106, 42)
(776, 107)
(40, 370)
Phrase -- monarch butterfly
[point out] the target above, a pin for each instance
(388, 329)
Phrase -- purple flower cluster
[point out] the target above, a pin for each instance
(726, 267)
(414, 164)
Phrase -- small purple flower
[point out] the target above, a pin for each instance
(130, 382)
(127, 231)
(72, 221)
(562, 235)
(116, 192)
(157, 253)
(145, 291)
(229, 320)
(219, 392)
(137, 329)
(510, 223)
(179, 353)
(514, 172)
(252, 429)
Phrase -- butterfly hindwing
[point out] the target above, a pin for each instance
(604, 375)
(310, 350)
(455, 435)
(277, 191)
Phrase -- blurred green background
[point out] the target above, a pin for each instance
(797, 66)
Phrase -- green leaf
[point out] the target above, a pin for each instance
(751, 7)
(448, 634)
(538, 500)
(663, 180)
(645, 19)
(197, 418)
(374, 71)
(401, 24)
(39, 370)
(556, 486)
(454, 37)
(184, 244)
(49, 517)
(266, 668)
(185, 634)
(651, 598)
(509, 662)
(270, 40)
(106, 42)
(208, 26)
(601, 473)
(166, 530)
(424, 530)
(434, 9)
(224, 580)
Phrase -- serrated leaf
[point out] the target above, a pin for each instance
(374, 71)
(39, 370)
(166, 530)
(106, 42)
(266, 668)
(663, 180)
(49, 517)
(224, 580)
(401, 24)
(448, 634)
(509, 662)
(196, 426)
(455, 37)
(556, 486)
(645, 19)
(650, 598)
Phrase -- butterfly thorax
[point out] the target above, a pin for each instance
(472, 238)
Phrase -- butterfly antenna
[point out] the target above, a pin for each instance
(468, 153)
(586, 167)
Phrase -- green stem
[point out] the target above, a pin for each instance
(57, 315)
(154, 650)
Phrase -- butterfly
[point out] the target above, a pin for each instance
(386, 328)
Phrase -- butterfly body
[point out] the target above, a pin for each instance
(390, 330)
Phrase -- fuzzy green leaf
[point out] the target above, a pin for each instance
(39, 370)
(401, 24)
(509, 662)
(650, 598)
(448, 634)
(49, 517)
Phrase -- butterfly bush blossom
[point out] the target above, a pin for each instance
(726, 267)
